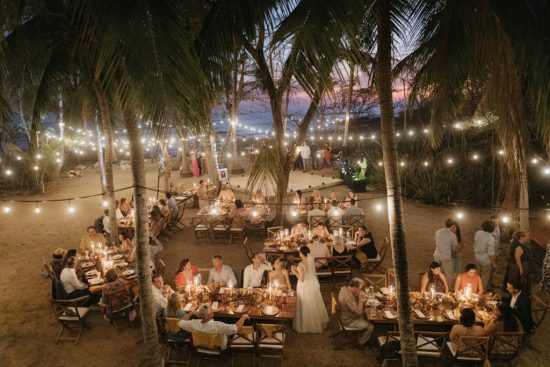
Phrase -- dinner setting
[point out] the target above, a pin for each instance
(274, 183)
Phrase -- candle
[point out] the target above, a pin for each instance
(194, 184)
(391, 288)
(286, 232)
(276, 284)
(468, 291)
(341, 231)
(269, 291)
(432, 292)
(309, 233)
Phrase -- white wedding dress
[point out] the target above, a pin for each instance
(311, 314)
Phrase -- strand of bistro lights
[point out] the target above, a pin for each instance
(378, 205)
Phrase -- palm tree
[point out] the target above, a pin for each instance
(495, 47)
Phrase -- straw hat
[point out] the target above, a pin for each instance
(59, 251)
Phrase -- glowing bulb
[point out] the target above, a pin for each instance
(380, 163)
(39, 156)
(254, 213)
(450, 161)
(104, 203)
(398, 134)
(546, 171)
(70, 209)
(8, 172)
(535, 160)
(505, 219)
(228, 155)
(402, 164)
(460, 215)
(7, 209)
(294, 213)
(18, 158)
(37, 210)
(547, 216)
(35, 168)
(426, 131)
(378, 207)
(411, 132)
(426, 163)
(58, 160)
(475, 157)
(500, 152)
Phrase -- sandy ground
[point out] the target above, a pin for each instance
(28, 327)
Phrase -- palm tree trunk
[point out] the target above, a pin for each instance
(109, 193)
(393, 184)
(212, 162)
(524, 200)
(151, 353)
(101, 163)
(61, 124)
(185, 171)
(348, 104)
(167, 165)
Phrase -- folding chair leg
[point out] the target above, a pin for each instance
(79, 333)
(61, 333)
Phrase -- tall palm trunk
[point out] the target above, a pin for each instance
(393, 184)
(101, 162)
(185, 171)
(151, 353)
(167, 165)
(524, 199)
(109, 194)
(61, 124)
(348, 103)
(212, 163)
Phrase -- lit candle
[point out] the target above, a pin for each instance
(194, 184)
(309, 233)
(432, 291)
(269, 290)
(468, 291)
(391, 288)
(341, 231)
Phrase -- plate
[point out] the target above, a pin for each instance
(87, 265)
(121, 264)
(95, 281)
(372, 302)
(270, 310)
(390, 315)
(419, 314)
(91, 273)
(117, 257)
(125, 273)
(243, 310)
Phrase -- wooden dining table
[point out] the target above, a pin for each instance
(95, 264)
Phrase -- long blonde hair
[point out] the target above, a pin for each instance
(174, 305)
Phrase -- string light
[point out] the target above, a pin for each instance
(459, 215)
(378, 207)
(8, 172)
(426, 163)
(37, 209)
(7, 209)
(535, 160)
(450, 161)
(505, 219)
(475, 157)
(70, 208)
(35, 168)
(105, 203)
(500, 152)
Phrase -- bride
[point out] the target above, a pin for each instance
(311, 315)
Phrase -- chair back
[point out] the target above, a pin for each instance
(206, 340)
(316, 220)
(334, 307)
(347, 230)
(170, 324)
(274, 231)
(117, 299)
(58, 292)
(472, 347)
(390, 274)
(160, 267)
(271, 334)
(356, 220)
(68, 309)
(219, 221)
(429, 343)
(505, 345)
(376, 280)
(245, 338)
(335, 222)
(539, 310)
(247, 249)
(342, 264)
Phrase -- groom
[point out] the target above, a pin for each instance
(351, 299)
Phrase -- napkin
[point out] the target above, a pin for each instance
(222, 290)
(188, 307)
(215, 305)
(420, 314)
(389, 314)
(269, 309)
(450, 314)
(240, 308)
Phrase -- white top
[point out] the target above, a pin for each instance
(484, 246)
(496, 235)
(211, 327)
(335, 212)
(173, 207)
(119, 214)
(315, 212)
(318, 249)
(514, 300)
(225, 275)
(445, 240)
(354, 210)
(70, 281)
(253, 278)
(159, 300)
(106, 224)
(306, 151)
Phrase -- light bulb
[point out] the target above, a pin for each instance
(378, 207)
(475, 157)
(505, 219)
(104, 203)
(37, 210)
(8, 172)
(70, 209)
(426, 163)
(460, 215)
(7, 209)
(450, 161)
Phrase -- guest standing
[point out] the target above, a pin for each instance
(306, 156)
(195, 165)
(496, 233)
(445, 243)
(519, 261)
(544, 284)
(485, 254)
(520, 304)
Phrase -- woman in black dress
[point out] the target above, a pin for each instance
(519, 261)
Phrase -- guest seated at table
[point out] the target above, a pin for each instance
(57, 261)
(259, 199)
(339, 248)
(521, 304)
(335, 212)
(253, 273)
(365, 242)
(164, 209)
(161, 292)
(347, 200)
(68, 254)
(300, 229)
(220, 273)
(505, 321)
(353, 210)
(119, 214)
(239, 214)
(434, 278)
(332, 196)
(351, 300)
(91, 236)
(300, 201)
(467, 327)
(471, 277)
(124, 207)
(321, 231)
(280, 275)
(127, 246)
(318, 248)
(227, 196)
(116, 295)
(315, 210)
(73, 287)
(155, 227)
(206, 324)
(171, 202)
(174, 307)
(186, 273)
(317, 197)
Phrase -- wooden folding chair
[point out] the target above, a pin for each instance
(168, 327)
(347, 231)
(323, 269)
(270, 341)
(335, 222)
(316, 220)
(372, 264)
(160, 266)
(391, 336)
(248, 250)
(70, 312)
(219, 227)
(207, 345)
(355, 221)
(539, 310)
(117, 310)
(474, 349)
(342, 267)
(178, 221)
(256, 230)
(504, 347)
(243, 344)
(274, 231)
(376, 280)
(47, 270)
(390, 274)
(237, 230)
(430, 345)
(200, 227)
(350, 333)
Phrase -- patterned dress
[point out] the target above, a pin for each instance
(545, 279)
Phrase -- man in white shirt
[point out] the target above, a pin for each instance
(496, 233)
(160, 294)
(445, 243)
(221, 273)
(306, 156)
(315, 212)
(171, 202)
(353, 209)
(484, 250)
(70, 282)
(254, 272)
(106, 222)
(206, 324)
(335, 212)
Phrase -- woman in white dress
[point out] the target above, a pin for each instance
(311, 314)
